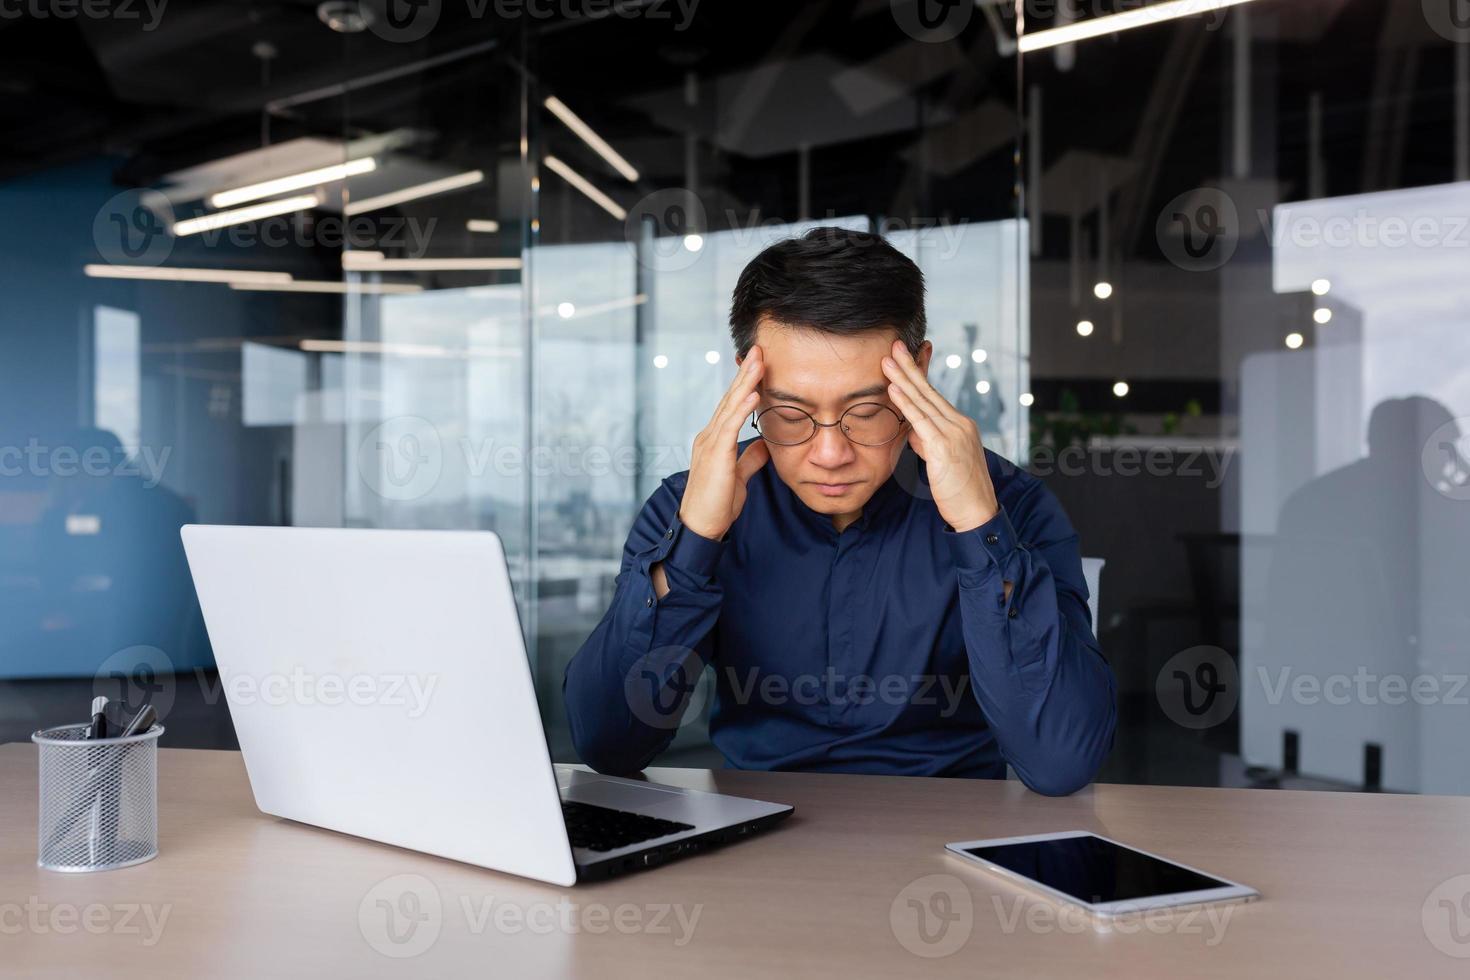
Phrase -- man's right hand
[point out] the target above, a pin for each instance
(718, 472)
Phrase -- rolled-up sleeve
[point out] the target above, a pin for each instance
(628, 685)
(1037, 670)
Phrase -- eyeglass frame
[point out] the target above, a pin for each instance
(755, 418)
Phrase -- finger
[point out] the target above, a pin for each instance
(740, 389)
(731, 390)
(756, 455)
(734, 419)
(905, 383)
(926, 390)
(913, 413)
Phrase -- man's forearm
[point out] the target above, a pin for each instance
(1045, 688)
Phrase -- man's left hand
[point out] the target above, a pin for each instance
(947, 441)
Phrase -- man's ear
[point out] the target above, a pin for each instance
(926, 352)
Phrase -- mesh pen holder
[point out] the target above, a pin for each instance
(99, 799)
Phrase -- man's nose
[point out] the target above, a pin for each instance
(831, 449)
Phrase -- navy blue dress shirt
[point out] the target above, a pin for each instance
(889, 648)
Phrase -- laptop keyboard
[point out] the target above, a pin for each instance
(600, 828)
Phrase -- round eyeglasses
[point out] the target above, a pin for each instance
(866, 424)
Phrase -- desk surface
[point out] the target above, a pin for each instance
(1354, 886)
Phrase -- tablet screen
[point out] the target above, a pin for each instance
(1093, 871)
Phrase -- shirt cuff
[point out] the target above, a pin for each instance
(990, 545)
(687, 551)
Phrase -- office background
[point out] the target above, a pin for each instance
(1206, 278)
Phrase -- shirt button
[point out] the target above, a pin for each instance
(1014, 612)
(992, 539)
(649, 602)
(669, 533)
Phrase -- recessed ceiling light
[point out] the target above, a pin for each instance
(1084, 328)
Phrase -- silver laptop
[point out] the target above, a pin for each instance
(379, 686)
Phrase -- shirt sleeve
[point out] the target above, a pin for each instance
(1037, 669)
(628, 686)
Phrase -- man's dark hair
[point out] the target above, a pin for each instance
(833, 280)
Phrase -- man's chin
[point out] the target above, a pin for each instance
(847, 503)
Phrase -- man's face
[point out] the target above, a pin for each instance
(825, 375)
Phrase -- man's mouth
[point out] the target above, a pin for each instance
(833, 489)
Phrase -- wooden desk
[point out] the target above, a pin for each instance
(1346, 878)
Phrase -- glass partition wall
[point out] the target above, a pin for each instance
(454, 268)
(1251, 377)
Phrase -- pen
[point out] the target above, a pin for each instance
(141, 722)
(98, 727)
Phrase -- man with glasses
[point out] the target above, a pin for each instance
(887, 596)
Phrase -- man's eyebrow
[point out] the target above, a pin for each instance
(786, 396)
